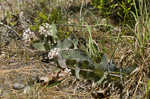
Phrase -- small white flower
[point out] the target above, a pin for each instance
(46, 30)
(67, 70)
(28, 35)
(53, 53)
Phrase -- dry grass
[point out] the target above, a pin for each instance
(17, 63)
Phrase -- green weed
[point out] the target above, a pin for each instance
(142, 25)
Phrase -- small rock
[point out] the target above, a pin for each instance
(18, 86)
(43, 79)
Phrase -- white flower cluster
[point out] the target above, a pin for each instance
(67, 70)
(45, 29)
(28, 35)
(53, 53)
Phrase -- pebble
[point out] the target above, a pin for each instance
(18, 86)
(43, 79)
